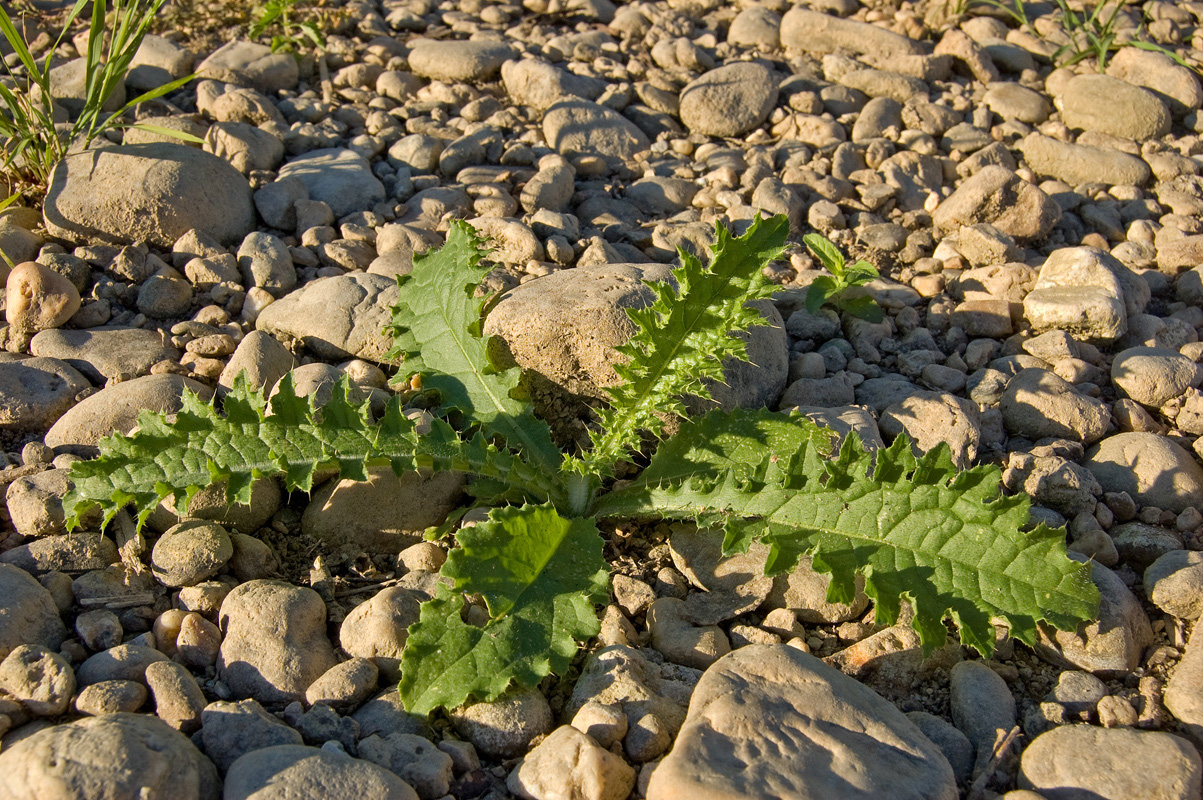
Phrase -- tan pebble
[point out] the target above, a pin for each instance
(198, 641)
(111, 697)
(166, 629)
(38, 298)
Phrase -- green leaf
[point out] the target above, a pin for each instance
(828, 254)
(540, 574)
(682, 339)
(915, 528)
(200, 447)
(860, 273)
(437, 327)
(864, 307)
(819, 292)
(174, 134)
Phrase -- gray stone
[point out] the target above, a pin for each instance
(158, 61)
(265, 262)
(932, 418)
(250, 64)
(1109, 105)
(1139, 544)
(981, 704)
(125, 662)
(231, 730)
(377, 629)
(955, 745)
(458, 60)
(679, 640)
(259, 357)
(1150, 468)
(1037, 403)
(816, 32)
(1175, 85)
(579, 127)
(74, 552)
(35, 392)
(1184, 691)
(414, 759)
(773, 721)
(116, 408)
(570, 764)
(344, 686)
(385, 714)
(178, 698)
(111, 697)
(504, 727)
(275, 644)
(1174, 583)
(729, 101)
(115, 756)
(337, 318)
(996, 195)
(286, 771)
(340, 178)
(190, 552)
(1109, 646)
(1152, 376)
(147, 192)
(108, 352)
(35, 503)
(535, 83)
(1084, 762)
(1078, 163)
(39, 679)
(28, 614)
(756, 26)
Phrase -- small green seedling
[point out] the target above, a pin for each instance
(834, 288)
(917, 528)
(294, 34)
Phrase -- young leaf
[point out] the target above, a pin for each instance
(540, 574)
(828, 254)
(864, 307)
(819, 292)
(913, 527)
(860, 273)
(684, 336)
(177, 459)
(437, 327)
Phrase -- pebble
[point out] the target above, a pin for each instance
(39, 679)
(231, 730)
(1112, 763)
(996, 195)
(578, 127)
(256, 661)
(76, 760)
(761, 695)
(31, 617)
(1150, 468)
(728, 101)
(296, 770)
(190, 552)
(178, 698)
(148, 192)
(1109, 105)
(344, 686)
(504, 727)
(981, 704)
(337, 317)
(455, 61)
(340, 178)
(1152, 376)
(1175, 85)
(103, 353)
(111, 697)
(569, 764)
(250, 64)
(680, 641)
(1174, 583)
(1076, 164)
(412, 758)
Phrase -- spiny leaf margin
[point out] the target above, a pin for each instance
(915, 527)
(436, 327)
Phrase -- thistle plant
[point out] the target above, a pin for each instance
(835, 288)
(915, 527)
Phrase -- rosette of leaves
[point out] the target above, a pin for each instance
(915, 527)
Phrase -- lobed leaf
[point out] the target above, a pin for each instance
(200, 447)
(915, 528)
(540, 574)
(682, 339)
(437, 327)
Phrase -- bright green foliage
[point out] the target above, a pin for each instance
(682, 338)
(834, 289)
(915, 528)
(293, 33)
(540, 574)
(437, 328)
(32, 145)
(202, 447)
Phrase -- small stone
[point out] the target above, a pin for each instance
(39, 679)
(568, 765)
(1152, 376)
(230, 730)
(38, 298)
(299, 771)
(1150, 468)
(982, 706)
(190, 552)
(414, 759)
(111, 697)
(1174, 583)
(344, 686)
(696, 646)
(178, 698)
(605, 723)
(728, 101)
(1038, 404)
(506, 726)
(1114, 764)
(1109, 105)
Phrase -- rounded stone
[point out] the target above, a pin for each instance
(1174, 582)
(275, 644)
(41, 680)
(290, 771)
(458, 61)
(377, 629)
(577, 127)
(1152, 376)
(1109, 105)
(506, 726)
(1150, 468)
(37, 298)
(190, 552)
(115, 756)
(730, 100)
(111, 697)
(28, 614)
(152, 193)
(1037, 403)
(1084, 761)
